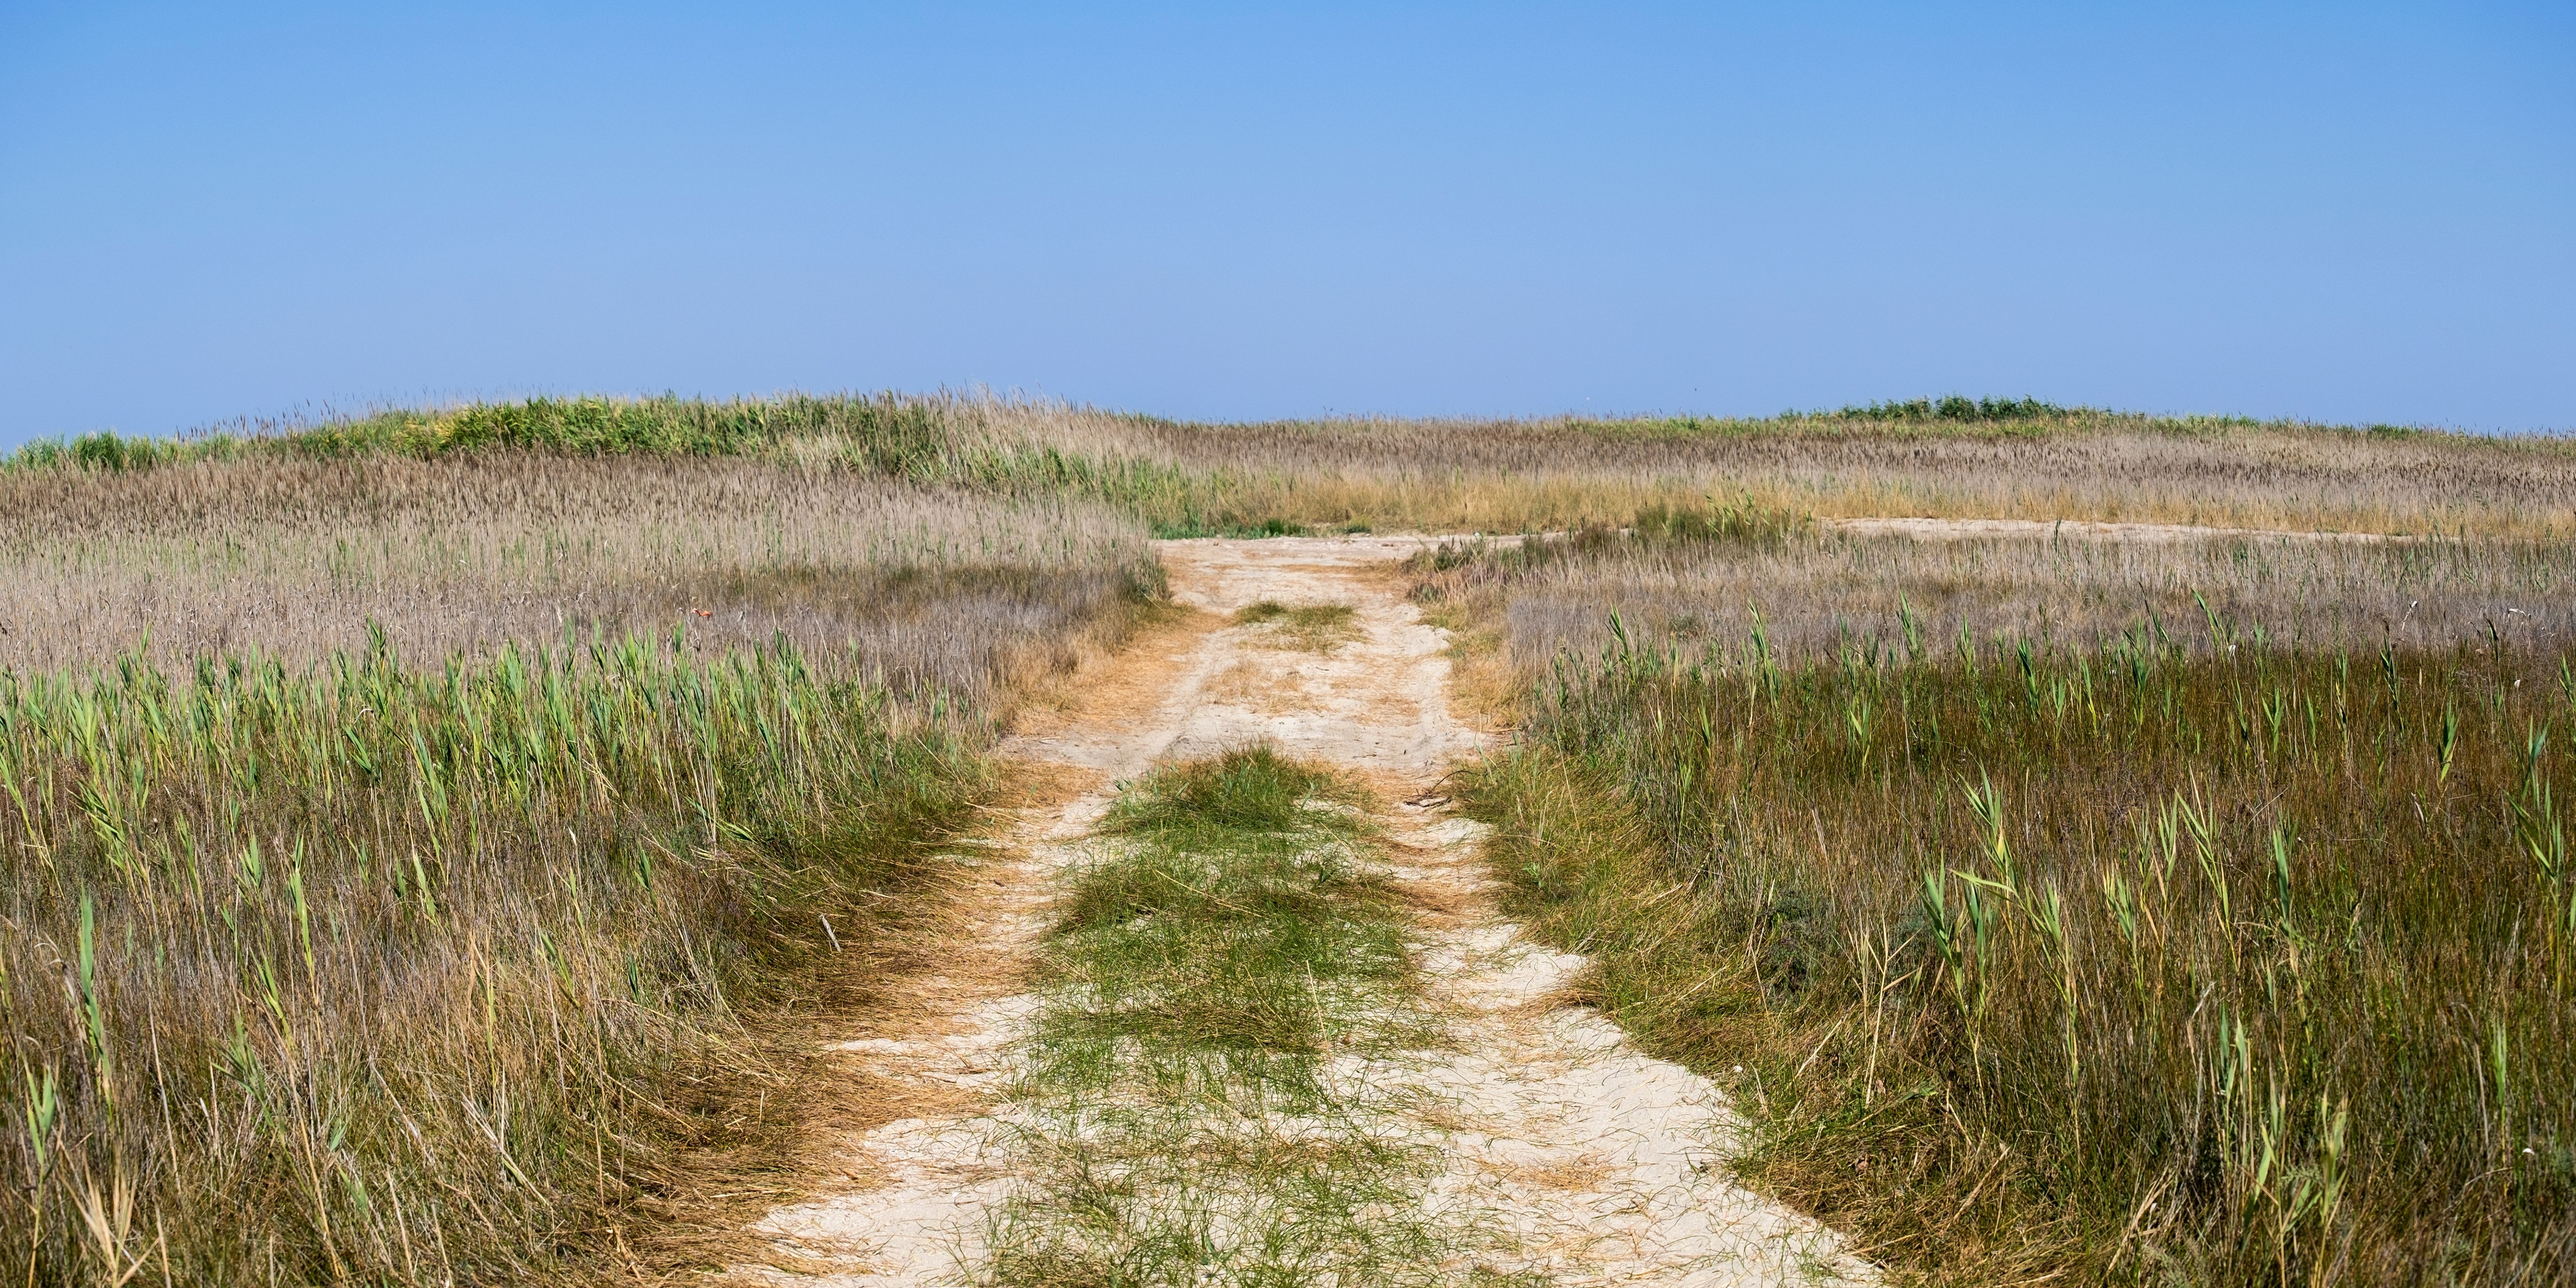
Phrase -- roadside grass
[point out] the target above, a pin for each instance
(1194, 1086)
(2122, 954)
(1304, 628)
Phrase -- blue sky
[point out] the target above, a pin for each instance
(2346, 212)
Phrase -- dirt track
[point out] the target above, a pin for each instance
(1594, 1163)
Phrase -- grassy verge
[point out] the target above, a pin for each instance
(2126, 961)
(1219, 981)
(372, 973)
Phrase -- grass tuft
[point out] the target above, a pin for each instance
(1306, 628)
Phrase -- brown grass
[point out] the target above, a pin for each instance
(300, 1071)
(1117, 687)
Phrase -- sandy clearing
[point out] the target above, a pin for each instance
(1597, 1164)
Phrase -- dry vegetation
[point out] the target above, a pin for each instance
(2179, 913)
(1467, 476)
(1811, 591)
(459, 554)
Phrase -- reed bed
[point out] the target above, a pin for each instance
(2130, 947)
(322, 965)
(431, 870)
(1806, 591)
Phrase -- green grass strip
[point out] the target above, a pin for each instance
(1224, 975)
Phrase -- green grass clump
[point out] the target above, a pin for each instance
(1193, 524)
(1210, 979)
(2130, 961)
(372, 973)
(1958, 409)
(1306, 628)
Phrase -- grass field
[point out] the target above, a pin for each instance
(2193, 913)
(425, 832)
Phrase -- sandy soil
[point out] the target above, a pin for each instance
(1598, 1164)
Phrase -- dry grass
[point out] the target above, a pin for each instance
(401, 976)
(1258, 688)
(320, 966)
(457, 555)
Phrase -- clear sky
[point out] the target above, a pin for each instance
(2347, 212)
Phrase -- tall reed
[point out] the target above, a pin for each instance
(465, 553)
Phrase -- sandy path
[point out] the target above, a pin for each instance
(1593, 1163)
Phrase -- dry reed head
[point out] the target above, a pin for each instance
(460, 554)
(1819, 591)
